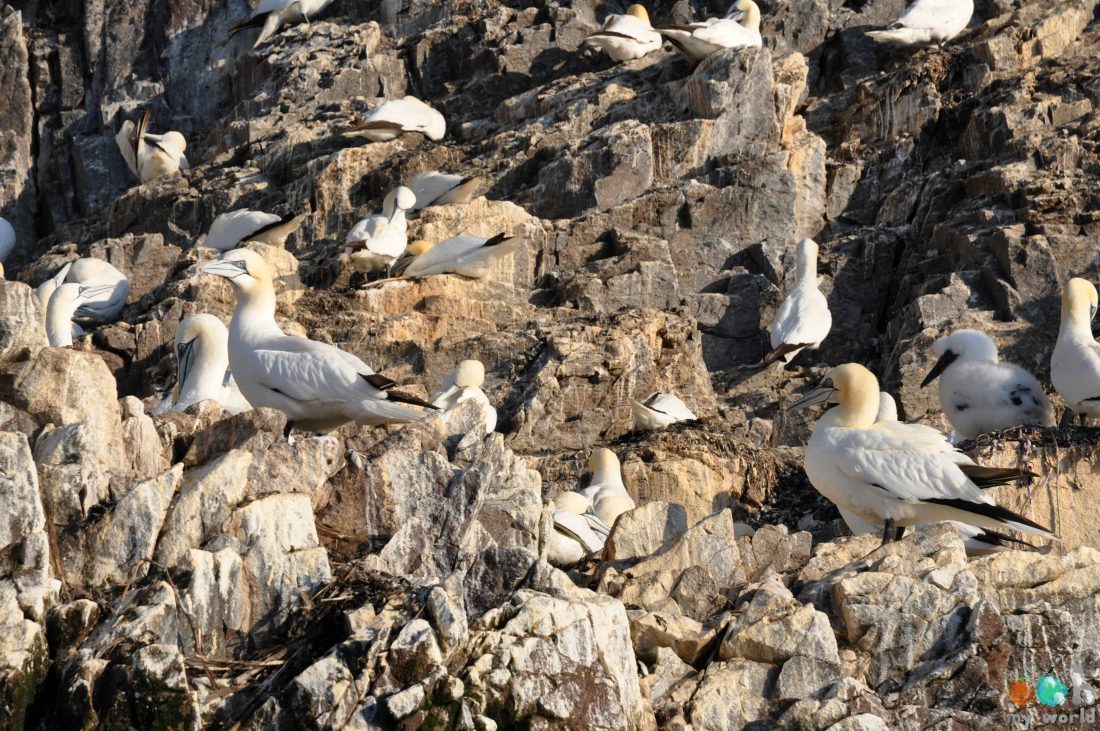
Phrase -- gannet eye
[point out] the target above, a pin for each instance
(827, 383)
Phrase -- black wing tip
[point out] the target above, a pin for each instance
(781, 351)
(985, 477)
(1003, 540)
(382, 383)
(405, 398)
(498, 239)
(993, 511)
(250, 23)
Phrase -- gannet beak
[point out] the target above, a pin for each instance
(824, 392)
(227, 268)
(184, 353)
(736, 15)
(941, 365)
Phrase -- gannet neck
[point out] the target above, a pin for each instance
(605, 467)
(752, 22)
(858, 396)
(59, 317)
(1078, 309)
(806, 261)
(210, 362)
(255, 313)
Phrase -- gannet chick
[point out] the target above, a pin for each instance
(64, 303)
(803, 319)
(469, 256)
(979, 393)
(926, 22)
(318, 386)
(270, 15)
(658, 411)
(434, 188)
(695, 41)
(374, 243)
(1075, 363)
(464, 384)
(626, 37)
(151, 156)
(202, 365)
(393, 118)
(230, 230)
(7, 239)
(894, 474)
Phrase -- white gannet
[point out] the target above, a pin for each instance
(658, 411)
(374, 243)
(606, 492)
(64, 304)
(979, 393)
(202, 365)
(434, 188)
(1075, 363)
(46, 289)
(318, 386)
(696, 41)
(464, 384)
(230, 230)
(887, 408)
(269, 15)
(894, 474)
(584, 518)
(7, 239)
(111, 289)
(926, 22)
(393, 118)
(470, 256)
(626, 37)
(803, 319)
(151, 156)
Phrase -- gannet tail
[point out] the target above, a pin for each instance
(256, 22)
(904, 36)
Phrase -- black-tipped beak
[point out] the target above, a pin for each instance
(824, 392)
(941, 365)
(184, 355)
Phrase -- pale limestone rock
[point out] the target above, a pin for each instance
(650, 632)
(22, 323)
(731, 694)
(641, 532)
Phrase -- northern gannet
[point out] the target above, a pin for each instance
(318, 386)
(696, 41)
(64, 303)
(626, 37)
(374, 243)
(926, 22)
(894, 474)
(584, 518)
(979, 393)
(151, 156)
(470, 256)
(1075, 363)
(269, 15)
(464, 384)
(803, 319)
(658, 411)
(202, 365)
(230, 230)
(7, 238)
(434, 188)
(393, 118)
(111, 288)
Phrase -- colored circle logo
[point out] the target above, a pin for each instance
(1051, 691)
(1020, 692)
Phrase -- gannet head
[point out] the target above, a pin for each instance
(419, 247)
(175, 138)
(470, 374)
(1078, 298)
(401, 198)
(806, 258)
(190, 332)
(853, 387)
(638, 12)
(966, 345)
(604, 461)
(246, 269)
(745, 12)
(887, 408)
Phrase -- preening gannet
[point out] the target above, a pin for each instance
(7, 238)
(374, 243)
(894, 474)
(101, 304)
(696, 41)
(202, 365)
(658, 411)
(270, 15)
(584, 518)
(803, 319)
(64, 303)
(1075, 363)
(393, 118)
(151, 156)
(626, 37)
(230, 230)
(318, 386)
(926, 22)
(464, 384)
(470, 256)
(434, 188)
(979, 393)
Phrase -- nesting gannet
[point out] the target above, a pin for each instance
(393, 118)
(270, 15)
(894, 474)
(696, 41)
(1075, 363)
(926, 22)
(7, 239)
(626, 37)
(318, 386)
(803, 319)
(151, 156)
(374, 243)
(979, 393)
(434, 188)
(64, 304)
(583, 518)
(658, 411)
(464, 384)
(470, 256)
(111, 288)
(202, 365)
(572, 538)
(230, 230)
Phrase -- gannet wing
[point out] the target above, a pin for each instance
(726, 33)
(929, 13)
(271, 6)
(140, 146)
(230, 229)
(807, 320)
(125, 139)
(577, 527)
(313, 376)
(666, 403)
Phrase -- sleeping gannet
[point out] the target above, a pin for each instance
(202, 365)
(151, 156)
(230, 230)
(374, 243)
(1075, 363)
(318, 386)
(979, 393)
(434, 188)
(393, 118)
(926, 22)
(7, 239)
(626, 37)
(658, 411)
(63, 306)
(108, 297)
(470, 256)
(696, 41)
(464, 384)
(269, 15)
(803, 319)
(894, 474)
